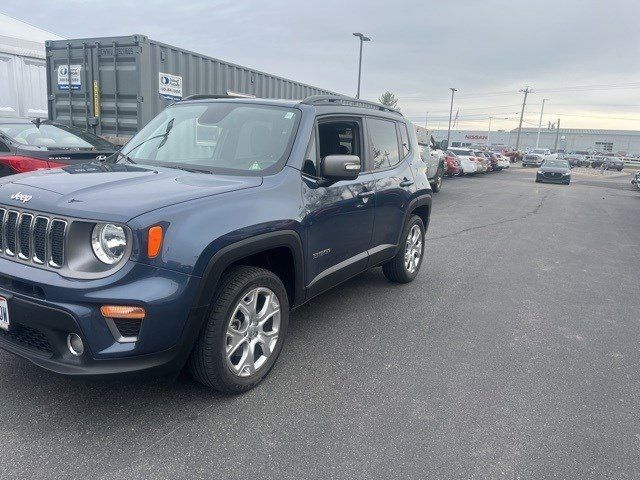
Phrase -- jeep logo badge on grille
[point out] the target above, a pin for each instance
(21, 197)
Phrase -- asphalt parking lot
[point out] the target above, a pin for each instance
(513, 355)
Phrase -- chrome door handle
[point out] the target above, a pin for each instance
(366, 194)
(406, 183)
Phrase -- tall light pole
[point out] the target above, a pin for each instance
(540, 122)
(453, 91)
(362, 40)
(526, 92)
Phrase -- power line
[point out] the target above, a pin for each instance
(576, 88)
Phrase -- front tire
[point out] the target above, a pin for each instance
(244, 333)
(404, 267)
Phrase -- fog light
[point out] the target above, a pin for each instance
(75, 345)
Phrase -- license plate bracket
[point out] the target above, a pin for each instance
(4, 314)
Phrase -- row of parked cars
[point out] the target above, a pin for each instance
(594, 161)
(459, 161)
(467, 161)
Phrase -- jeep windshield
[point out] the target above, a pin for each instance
(222, 137)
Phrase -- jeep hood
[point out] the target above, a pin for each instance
(112, 192)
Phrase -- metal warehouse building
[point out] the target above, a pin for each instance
(569, 139)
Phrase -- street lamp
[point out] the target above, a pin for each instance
(453, 91)
(362, 39)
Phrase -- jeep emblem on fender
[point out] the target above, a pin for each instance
(21, 197)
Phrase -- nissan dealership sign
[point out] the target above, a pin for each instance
(475, 137)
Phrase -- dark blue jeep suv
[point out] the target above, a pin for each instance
(190, 246)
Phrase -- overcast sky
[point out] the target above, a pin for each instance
(583, 55)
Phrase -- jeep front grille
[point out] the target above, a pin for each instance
(31, 237)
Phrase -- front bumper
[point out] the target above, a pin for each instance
(45, 308)
(559, 180)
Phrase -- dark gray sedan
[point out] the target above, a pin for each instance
(554, 171)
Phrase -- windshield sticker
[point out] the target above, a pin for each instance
(170, 86)
(63, 77)
(255, 166)
(288, 115)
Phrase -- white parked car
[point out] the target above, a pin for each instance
(503, 162)
(467, 165)
(538, 155)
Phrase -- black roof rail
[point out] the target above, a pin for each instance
(204, 96)
(347, 102)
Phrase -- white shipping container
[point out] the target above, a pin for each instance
(23, 69)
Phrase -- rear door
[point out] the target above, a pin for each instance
(390, 154)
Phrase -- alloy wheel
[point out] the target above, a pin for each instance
(413, 249)
(252, 332)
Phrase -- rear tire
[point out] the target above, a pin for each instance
(249, 308)
(404, 267)
(437, 184)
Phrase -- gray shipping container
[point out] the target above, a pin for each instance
(113, 86)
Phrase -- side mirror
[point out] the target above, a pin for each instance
(340, 167)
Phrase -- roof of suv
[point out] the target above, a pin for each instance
(333, 103)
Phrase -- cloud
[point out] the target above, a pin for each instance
(419, 48)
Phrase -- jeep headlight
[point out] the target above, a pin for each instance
(109, 243)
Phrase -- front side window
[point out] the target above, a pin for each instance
(221, 137)
(383, 139)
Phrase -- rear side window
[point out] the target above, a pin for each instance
(404, 138)
(383, 141)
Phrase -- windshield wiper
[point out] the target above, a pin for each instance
(188, 169)
(164, 137)
(116, 156)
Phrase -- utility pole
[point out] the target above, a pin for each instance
(555, 146)
(540, 122)
(453, 91)
(526, 92)
(362, 38)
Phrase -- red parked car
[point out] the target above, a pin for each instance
(451, 165)
(27, 145)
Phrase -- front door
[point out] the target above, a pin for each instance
(338, 218)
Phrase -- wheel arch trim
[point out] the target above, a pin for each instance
(251, 246)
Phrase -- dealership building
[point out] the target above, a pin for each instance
(569, 139)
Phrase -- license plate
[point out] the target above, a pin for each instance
(4, 314)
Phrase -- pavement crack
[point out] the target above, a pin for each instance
(534, 211)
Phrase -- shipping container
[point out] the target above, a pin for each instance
(113, 86)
